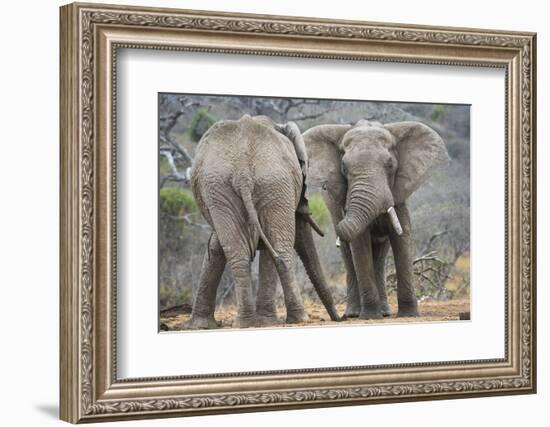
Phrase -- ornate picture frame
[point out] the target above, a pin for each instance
(90, 37)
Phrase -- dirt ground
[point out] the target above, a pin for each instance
(430, 311)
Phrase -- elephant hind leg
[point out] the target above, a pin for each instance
(213, 264)
(234, 239)
(279, 225)
(246, 310)
(295, 312)
(266, 308)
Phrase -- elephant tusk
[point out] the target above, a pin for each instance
(395, 221)
(338, 243)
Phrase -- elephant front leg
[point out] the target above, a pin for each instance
(213, 264)
(402, 252)
(353, 301)
(361, 249)
(266, 307)
(379, 253)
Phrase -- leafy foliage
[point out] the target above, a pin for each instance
(200, 123)
(319, 210)
(177, 201)
(438, 112)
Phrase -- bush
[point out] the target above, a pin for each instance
(176, 201)
(200, 123)
(319, 210)
(438, 112)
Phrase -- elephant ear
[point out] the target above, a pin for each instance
(325, 158)
(292, 132)
(420, 150)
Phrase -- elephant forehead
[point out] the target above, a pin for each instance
(369, 136)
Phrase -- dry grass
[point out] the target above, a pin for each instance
(430, 311)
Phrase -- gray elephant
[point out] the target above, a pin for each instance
(368, 170)
(248, 179)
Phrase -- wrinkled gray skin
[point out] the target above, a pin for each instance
(366, 169)
(247, 179)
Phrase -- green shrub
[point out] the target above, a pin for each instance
(200, 123)
(177, 201)
(438, 112)
(319, 210)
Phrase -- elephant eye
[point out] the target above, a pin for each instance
(343, 169)
(390, 164)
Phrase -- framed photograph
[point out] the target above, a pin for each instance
(267, 212)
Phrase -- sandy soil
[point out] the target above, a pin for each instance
(430, 311)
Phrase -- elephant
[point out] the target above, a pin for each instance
(248, 180)
(367, 172)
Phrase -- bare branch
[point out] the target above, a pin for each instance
(307, 116)
(187, 220)
(433, 237)
(175, 175)
(176, 147)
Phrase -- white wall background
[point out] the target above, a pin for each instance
(29, 213)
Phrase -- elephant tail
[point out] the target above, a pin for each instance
(246, 196)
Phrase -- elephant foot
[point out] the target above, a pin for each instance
(408, 313)
(385, 310)
(245, 322)
(333, 314)
(352, 311)
(199, 322)
(297, 316)
(268, 320)
(370, 313)
(407, 310)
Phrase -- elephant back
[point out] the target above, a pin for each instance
(252, 148)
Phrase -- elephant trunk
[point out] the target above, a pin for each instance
(366, 201)
(305, 248)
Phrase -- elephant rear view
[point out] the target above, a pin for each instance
(247, 179)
